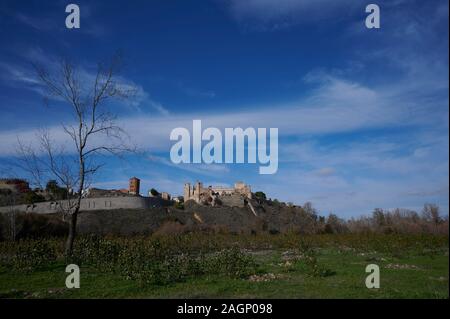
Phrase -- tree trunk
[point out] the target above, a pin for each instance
(72, 233)
(74, 215)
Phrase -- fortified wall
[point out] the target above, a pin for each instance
(89, 204)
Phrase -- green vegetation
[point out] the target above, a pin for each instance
(178, 205)
(206, 265)
(32, 197)
(260, 195)
(56, 192)
(154, 192)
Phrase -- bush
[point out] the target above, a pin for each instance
(234, 263)
(160, 261)
(309, 259)
(31, 198)
(178, 205)
(154, 192)
(2, 227)
(57, 192)
(33, 254)
(260, 195)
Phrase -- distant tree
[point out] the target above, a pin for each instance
(57, 192)
(154, 192)
(431, 213)
(52, 185)
(178, 205)
(378, 217)
(32, 197)
(335, 225)
(261, 195)
(310, 210)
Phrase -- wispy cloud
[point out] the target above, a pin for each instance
(158, 107)
(335, 106)
(202, 169)
(37, 23)
(23, 75)
(50, 20)
(13, 73)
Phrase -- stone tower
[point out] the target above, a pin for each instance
(187, 192)
(197, 191)
(135, 184)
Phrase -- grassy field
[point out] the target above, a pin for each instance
(230, 266)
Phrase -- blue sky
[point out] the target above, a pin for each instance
(362, 114)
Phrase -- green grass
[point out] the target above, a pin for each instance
(411, 273)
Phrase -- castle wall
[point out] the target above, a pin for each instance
(232, 200)
(197, 190)
(90, 204)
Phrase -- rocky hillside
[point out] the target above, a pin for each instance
(271, 217)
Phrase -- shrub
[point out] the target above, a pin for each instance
(260, 195)
(162, 260)
(154, 192)
(31, 198)
(32, 254)
(178, 205)
(309, 259)
(57, 192)
(2, 227)
(234, 263)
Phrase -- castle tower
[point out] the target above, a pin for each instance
(198, 191)
(243, 189)
(135, 184)
(187, 192)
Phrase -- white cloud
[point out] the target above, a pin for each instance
(25, 77)
(203, 169)
(336, 106)
(40, 24)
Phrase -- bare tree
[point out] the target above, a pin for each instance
(92, 133)
(431, 213)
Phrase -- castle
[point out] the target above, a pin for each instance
(211, 195)
(100, 199)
